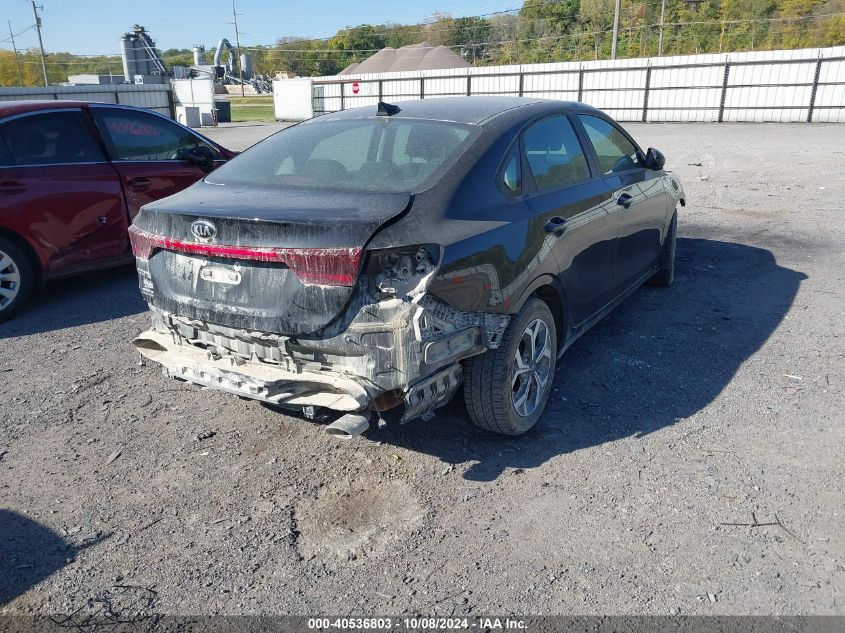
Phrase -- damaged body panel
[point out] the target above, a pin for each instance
(389, 351)
(359, 260)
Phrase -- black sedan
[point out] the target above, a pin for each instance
(374, 260)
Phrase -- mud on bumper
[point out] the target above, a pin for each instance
(393, 353)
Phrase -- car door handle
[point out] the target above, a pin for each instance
(138, 182)
(11, 187)
(625, 200)
(556, 225)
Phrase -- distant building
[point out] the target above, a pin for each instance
(421, 56)
(94, 80)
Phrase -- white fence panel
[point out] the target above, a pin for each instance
(614, 79)
(673, 78)
(684, 104)
(563, 86)
(495, 85)
(156, 97)
(401, 90)
(446, 86)
(794, 85)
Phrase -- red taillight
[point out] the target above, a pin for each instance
(322, 266)
(142, 244)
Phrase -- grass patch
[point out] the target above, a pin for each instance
(253, 112)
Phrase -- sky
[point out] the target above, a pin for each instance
(93, 27)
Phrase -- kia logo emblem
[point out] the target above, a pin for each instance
(203, 230)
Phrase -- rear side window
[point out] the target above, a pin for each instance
(141, 136)
(394, 155)
(613, 149)
(51, 138)
(5, 156)
(554, 154)
(511, 177)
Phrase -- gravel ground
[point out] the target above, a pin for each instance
(690, 460)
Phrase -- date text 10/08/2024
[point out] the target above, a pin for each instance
(415, 623)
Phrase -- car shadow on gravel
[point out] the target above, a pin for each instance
(29, 553)
(661, 356)
(91, 298)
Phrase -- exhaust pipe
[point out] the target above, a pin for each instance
(348, 426)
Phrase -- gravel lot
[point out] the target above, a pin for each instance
(690, 460)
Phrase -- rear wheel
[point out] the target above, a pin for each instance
(16, 277)
(665, 274)
(506, 389)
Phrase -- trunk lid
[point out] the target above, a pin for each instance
(281, 261)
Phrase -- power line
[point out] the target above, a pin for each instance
(419, 27)
(561, 36)
(269, 49)
(12, 36)
(238, 45)
(329, 55)
(14, 48)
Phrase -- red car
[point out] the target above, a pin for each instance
(73, 175)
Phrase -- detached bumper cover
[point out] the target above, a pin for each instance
(393, 352)
(253, 380)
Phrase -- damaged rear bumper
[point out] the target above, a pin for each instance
(393, 354)
(253, 380)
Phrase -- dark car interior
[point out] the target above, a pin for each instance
(403, 155)
(51, 139)
(362, 155)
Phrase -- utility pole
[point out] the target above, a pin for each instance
(238, 48)
(615, 28)
(40, 43)
(660, 41)
(14, 48)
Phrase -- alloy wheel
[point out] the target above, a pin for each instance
(532, 367)
(10, 280)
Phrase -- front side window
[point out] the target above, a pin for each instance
(141, 136)
(51, 138)
(394, 155)
(613, 149)
(554, 154)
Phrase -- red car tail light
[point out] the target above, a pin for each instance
(142, 243)
(321, 266)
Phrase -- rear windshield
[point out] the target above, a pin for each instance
(392, 155)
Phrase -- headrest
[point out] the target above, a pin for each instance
(429, 141)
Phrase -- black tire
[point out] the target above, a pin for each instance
(489, 379)
(16, 278)
(665, 274)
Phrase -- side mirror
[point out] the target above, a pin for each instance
(202, 157)
(654, 159)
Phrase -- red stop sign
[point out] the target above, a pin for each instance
(355, 88)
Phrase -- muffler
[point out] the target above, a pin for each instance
(348, 426)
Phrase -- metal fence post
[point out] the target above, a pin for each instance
(580, 83)
(380, 90)
(422, 87)
(814, 90)
(469, 85)
(341, 94)
(645, 97)
(521, 83)
(724, 92)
